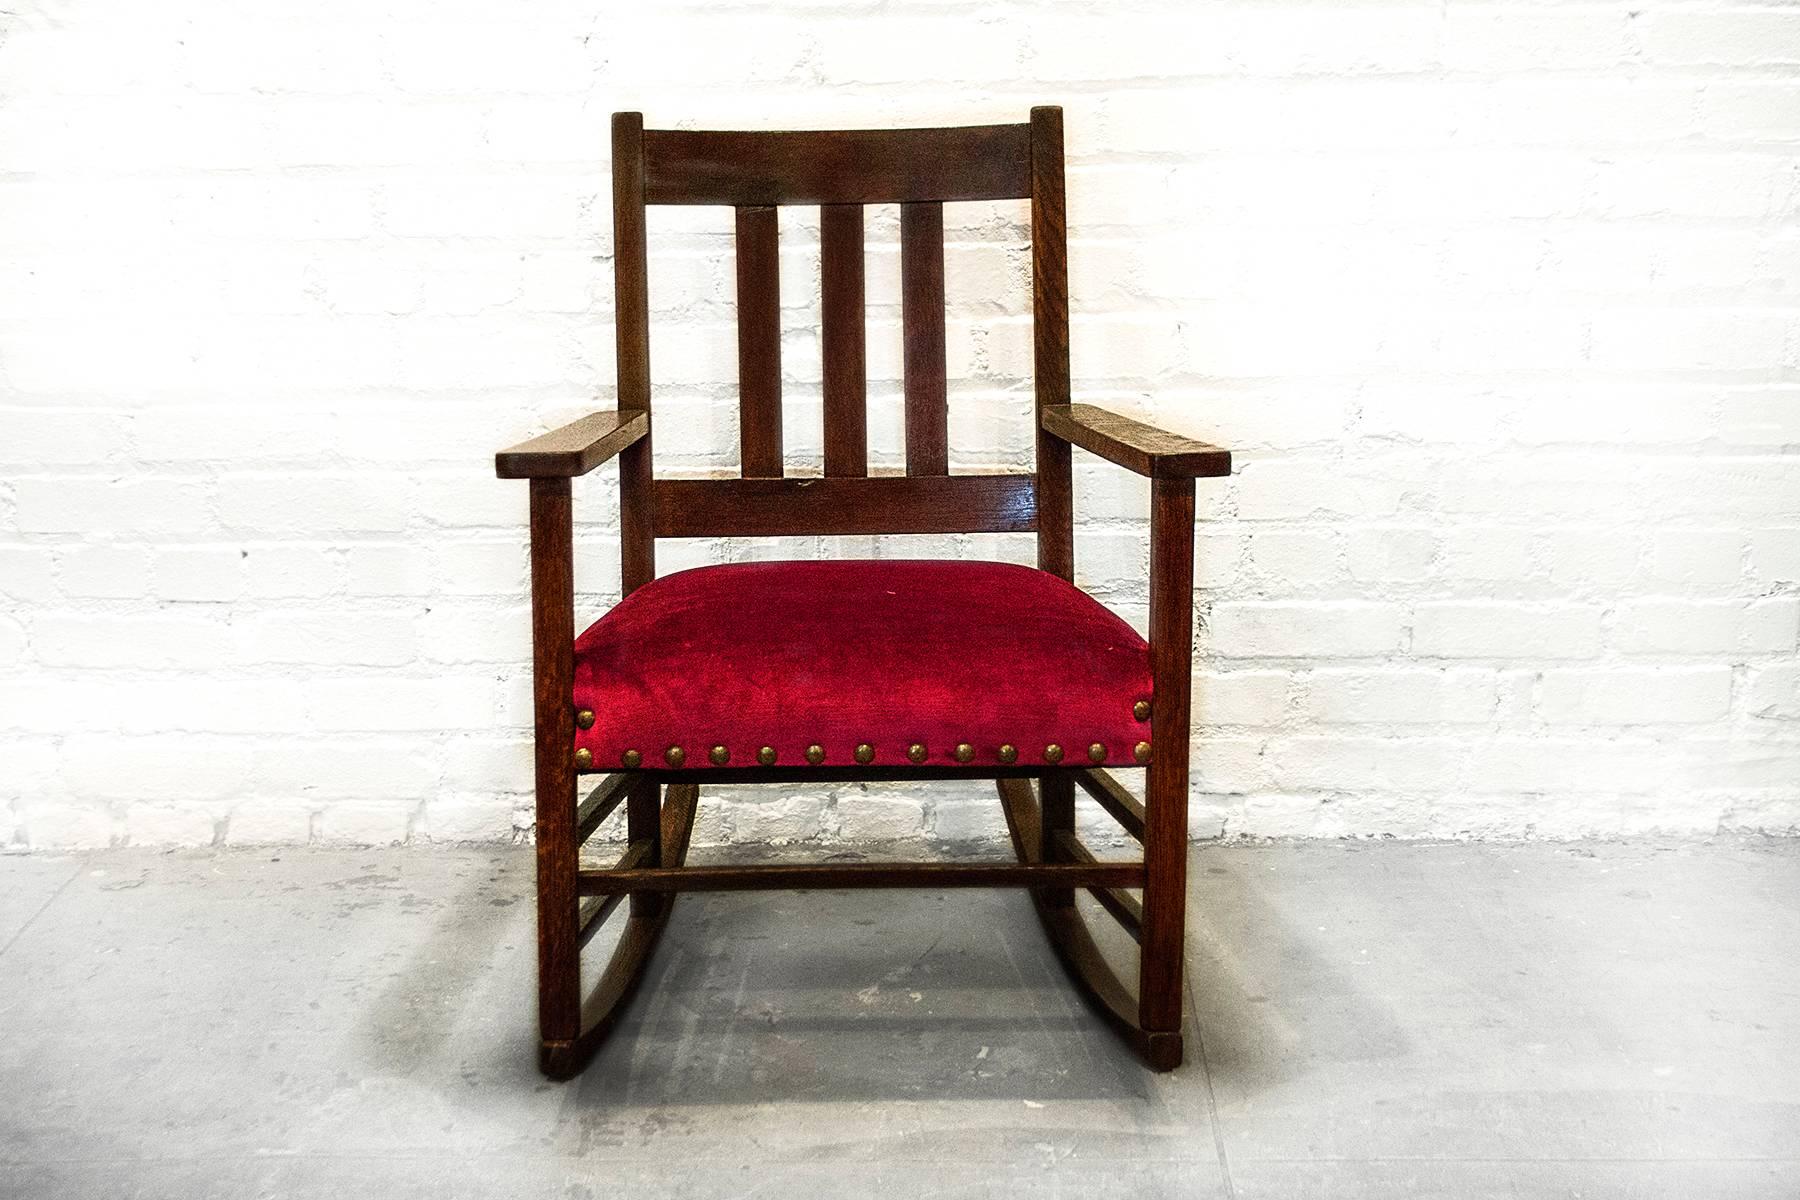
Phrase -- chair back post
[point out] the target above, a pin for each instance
(1050, 340)
(631, 320)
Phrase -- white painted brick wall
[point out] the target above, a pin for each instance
(1497, 303)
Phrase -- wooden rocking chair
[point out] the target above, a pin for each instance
(781, 672)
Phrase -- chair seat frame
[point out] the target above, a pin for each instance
(843, 170)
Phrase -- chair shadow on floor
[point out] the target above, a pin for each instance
(813, 996)
(1268, 1006)
(845, 996)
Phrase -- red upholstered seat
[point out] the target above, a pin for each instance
(888, 653)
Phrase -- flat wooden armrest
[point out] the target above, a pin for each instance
(1134, 445)
(574, 449)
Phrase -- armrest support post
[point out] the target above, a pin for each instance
(1166, 787)
(553, 684)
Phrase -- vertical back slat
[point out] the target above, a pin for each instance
(1050, 334)
(922, 324)
(631, 284)
(843, 336)
(759, 341)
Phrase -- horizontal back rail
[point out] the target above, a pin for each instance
(837, 166)
(845, 505)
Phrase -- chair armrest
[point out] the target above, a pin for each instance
(574, 449)
(1134, 445)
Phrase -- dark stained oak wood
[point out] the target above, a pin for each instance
(631, 302)
(1111, 796)
(1119, 904)
(878, 504)
(595, 911)
(843, 337)
(922, 328)
(1056, 816)
(1166, 783)
(643, 825)
(553, 678)
(843, 170)
(573, 449)
(759, 342)
(1075, 947)
(788, 876)
(678, 822)
(600, 804)
(1140, 448)
(837, 166)
(1050, 339)
(564, 1058)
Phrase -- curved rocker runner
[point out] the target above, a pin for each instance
(778, 672)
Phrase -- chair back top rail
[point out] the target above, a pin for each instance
(837, 166)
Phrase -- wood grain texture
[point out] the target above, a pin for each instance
(681, 804)
(564, 1058)
(1056, 815)
(920, 170)
(600, 805)
(631, 301)
(552, 680)
(843, 338)
(1143, 449)
(879, 504)
(1112, 796)
(837, 166)
(1119, 904)
(1075, 947)
(922, 329)
(595, 910)
(783, 876)
(1166, 784)
(572, 449)
(759, 342)
(1050, 340)
(643, 825)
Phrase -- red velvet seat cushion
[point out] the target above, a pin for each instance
(836, 654)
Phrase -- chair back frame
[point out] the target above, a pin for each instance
(842, 171)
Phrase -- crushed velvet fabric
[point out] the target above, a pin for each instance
(884, 652)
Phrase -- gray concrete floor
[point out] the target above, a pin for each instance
(1372, 1020)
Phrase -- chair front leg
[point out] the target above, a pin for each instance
(553, 670)
(1166, 790)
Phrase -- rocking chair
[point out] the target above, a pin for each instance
(780, 672)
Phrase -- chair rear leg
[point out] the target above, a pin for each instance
(644, 820)
(1057, 796)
